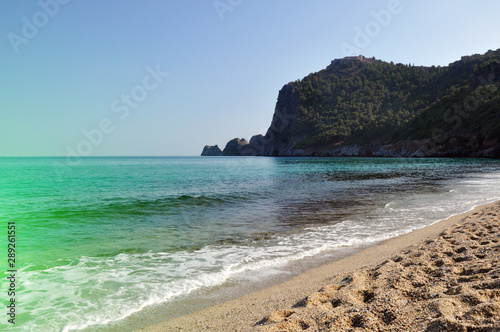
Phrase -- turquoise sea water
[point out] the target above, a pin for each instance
(101, 240)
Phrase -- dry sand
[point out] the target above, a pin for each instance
(444, 277)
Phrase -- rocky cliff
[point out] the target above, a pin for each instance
(211, 151)
(367, 107)
(235, 147)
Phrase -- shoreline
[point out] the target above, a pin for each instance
(243, 313)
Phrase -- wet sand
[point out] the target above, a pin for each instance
(444, 277)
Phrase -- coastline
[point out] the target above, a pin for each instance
(267, 305)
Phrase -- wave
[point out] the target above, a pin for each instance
(112, 288)
(121, 206)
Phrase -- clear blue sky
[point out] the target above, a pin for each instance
(69, 66)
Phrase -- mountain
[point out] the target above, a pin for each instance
(367, 107)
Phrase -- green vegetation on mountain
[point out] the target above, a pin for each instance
(359, 100)
(463, 111)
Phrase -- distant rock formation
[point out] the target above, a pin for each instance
(234, 147)
(211, 150)
(255, 147)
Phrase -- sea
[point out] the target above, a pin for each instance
(116, 243)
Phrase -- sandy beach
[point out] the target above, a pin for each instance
(444, 277)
